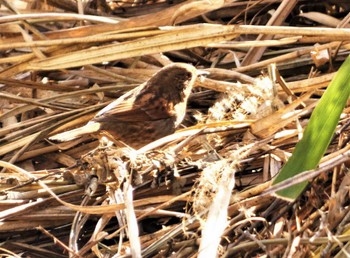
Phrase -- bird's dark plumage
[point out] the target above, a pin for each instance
(151, 111)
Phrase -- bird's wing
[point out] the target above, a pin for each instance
(146, 108)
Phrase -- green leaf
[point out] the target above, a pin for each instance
(318, 133)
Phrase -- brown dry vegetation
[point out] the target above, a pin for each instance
(199, 192)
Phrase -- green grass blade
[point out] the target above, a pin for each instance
(318, 133)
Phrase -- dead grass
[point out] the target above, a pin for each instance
(201, 191)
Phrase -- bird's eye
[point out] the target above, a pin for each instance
(180, 85)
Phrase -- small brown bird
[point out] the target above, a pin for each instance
(149, 112)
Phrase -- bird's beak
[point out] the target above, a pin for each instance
(201, 75)
(202, 72)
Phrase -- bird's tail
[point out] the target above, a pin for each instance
(76, 133)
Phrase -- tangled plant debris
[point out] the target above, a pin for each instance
(201, 191)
